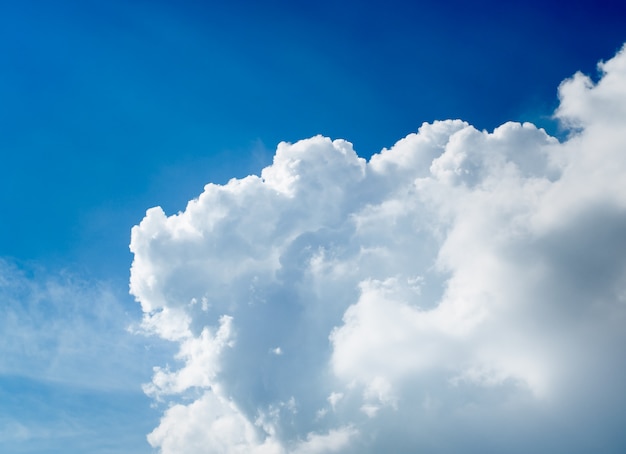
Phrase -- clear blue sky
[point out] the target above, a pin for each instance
(108, 108)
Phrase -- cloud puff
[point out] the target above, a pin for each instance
(463, 289)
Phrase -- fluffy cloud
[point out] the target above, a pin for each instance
(463, 289)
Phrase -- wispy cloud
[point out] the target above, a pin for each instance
(70, 367)
(462, 282)
(64, 328)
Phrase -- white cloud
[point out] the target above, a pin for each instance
(209, 424)
(460, 282)
(333, 441)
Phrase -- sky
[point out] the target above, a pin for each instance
(303, 228)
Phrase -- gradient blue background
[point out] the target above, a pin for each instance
(110, 107)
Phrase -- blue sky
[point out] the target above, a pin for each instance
(110, 108)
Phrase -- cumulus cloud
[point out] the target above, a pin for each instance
(463, 289)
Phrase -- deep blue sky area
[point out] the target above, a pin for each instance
(108, 108)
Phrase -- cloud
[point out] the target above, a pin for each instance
(70, 370)
(462, 282)
(60, 327)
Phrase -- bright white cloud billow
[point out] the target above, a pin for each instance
(463, 290)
